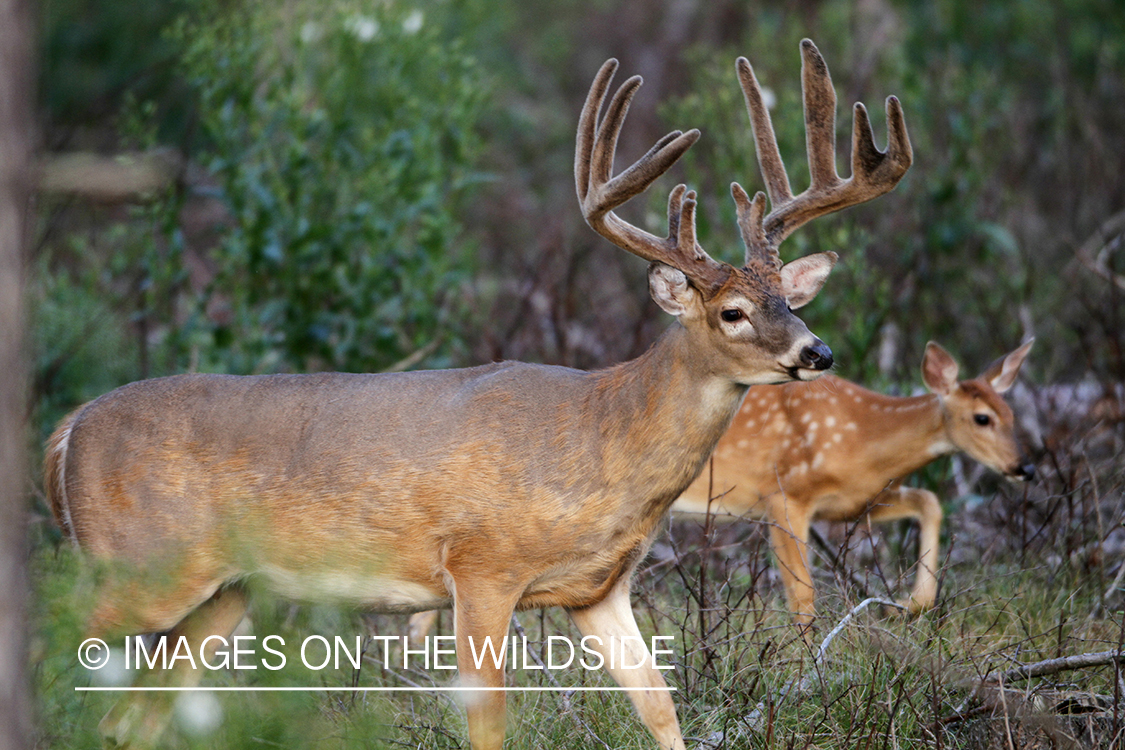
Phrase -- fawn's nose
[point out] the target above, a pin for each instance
(1026, 472)
(816, 356)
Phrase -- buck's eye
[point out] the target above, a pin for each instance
(731, 315)
(981, 419)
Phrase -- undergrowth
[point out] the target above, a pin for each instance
(743, 675)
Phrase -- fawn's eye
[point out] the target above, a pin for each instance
(981, 419)
(731, 315)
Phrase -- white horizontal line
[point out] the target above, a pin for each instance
(264, 689)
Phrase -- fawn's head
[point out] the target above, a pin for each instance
(976, 418)
(740, 318)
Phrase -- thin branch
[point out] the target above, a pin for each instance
(848, 618)
(121, 178)
(1053, 666)
(754, 719)
(414, 357)
(836, 563)
(1095, 252)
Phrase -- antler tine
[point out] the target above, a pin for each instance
(819, 99)
(869, 164)
(769, 158)
(751, 215)
(599, 193)
(874, 172)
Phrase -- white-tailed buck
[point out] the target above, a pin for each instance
(835, 451)
(490, 489)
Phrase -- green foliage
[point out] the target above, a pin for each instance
(93, 54)
(342, 141)
(78, 351)
(293, 719)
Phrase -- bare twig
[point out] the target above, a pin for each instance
(1054, 666)
(820, 652)
(414, 357)
(564, 697)
(122, 178)
(1095, 252)
(837, 564)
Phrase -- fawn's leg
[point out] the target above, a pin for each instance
(923, 505)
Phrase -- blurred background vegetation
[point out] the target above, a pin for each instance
(363, 186)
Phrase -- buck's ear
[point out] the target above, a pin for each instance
(802, 278)
(939, 370)
(671, 290)
(1001, 374)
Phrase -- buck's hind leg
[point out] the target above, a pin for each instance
(923, 505)
(140, 719)
(421, 623)
(611, 621)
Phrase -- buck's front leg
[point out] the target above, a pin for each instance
(923, 505)
(789, 536)
(615, 630)
(480, 619)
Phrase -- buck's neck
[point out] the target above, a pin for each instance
(904, 434)
(660, 415)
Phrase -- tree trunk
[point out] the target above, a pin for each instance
(16, 133)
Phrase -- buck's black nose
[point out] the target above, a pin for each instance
(1026, 471)
(816, 357)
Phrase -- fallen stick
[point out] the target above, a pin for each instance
(1053, 666)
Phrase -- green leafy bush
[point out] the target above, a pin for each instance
(342, 138)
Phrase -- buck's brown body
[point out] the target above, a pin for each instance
(473, 473)
(487, 489)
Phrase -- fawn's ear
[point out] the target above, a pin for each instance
(671, 290)
(802, 278)
(1001, 374)
(939, 370)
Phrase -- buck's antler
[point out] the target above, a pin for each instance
(599, 193)
(874, 172)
